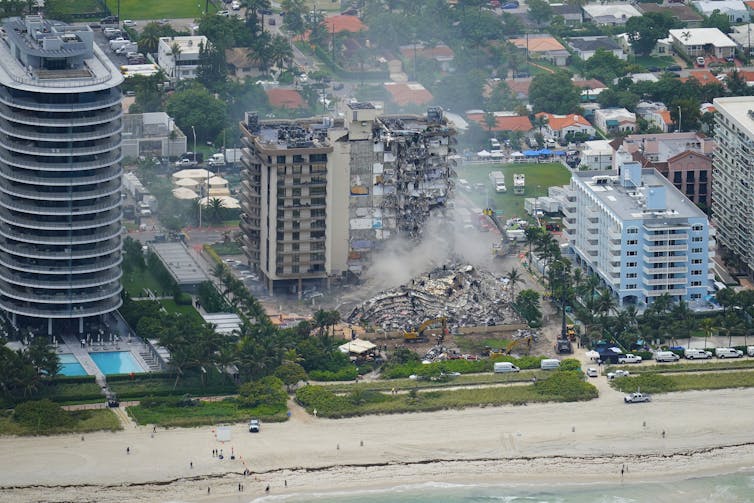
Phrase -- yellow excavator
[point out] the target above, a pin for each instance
(418, 334)
(512, 344)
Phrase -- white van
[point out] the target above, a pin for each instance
(501, 367)
(666, 356)
(549, 364)
(697, 354)
(750, 350)
(728, 353)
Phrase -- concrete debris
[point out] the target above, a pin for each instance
(462, 294)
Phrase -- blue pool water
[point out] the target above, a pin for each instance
(116, 362)
(70, 366)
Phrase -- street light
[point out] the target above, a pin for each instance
(679, 119)
(194, 131)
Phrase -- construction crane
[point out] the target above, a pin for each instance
(418, 334)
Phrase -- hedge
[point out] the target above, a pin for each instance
(461, 366)
(213, 254)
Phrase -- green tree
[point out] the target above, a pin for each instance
(266, 391)
(539, 10)
(604, 66)
(212, 70)
(290, 373)
(690, 113)
(644, 31)
(149, 38)
(717, 20)
(527, 305)
(295, 13)
(554, 93)
(514, 277)
(195, 106)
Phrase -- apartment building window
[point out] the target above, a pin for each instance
(677, 177)
(696, 261)
(297, 192)
(295, 269)
(696, 295)
(690, 177)
(632, 230)
(630, 264)
(295, 246)
(690, 189)
(696, 250)
(696, 283)
(296, 213)
(697, 239)
(295, 236)
(318, 158)
(703, 176)
(280, 159)
(696, 272)
(632, 242)
(631, 275)
(631, 254)
(298, 158)
(702, 189)
(631, 286)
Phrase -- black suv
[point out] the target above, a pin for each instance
(109, 20)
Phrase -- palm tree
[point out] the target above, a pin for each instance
(531, 236)
(175, 49)
(539, 122)
(513, 277)
(490, 121)
(281, 54)
(149, 38)
(707, 325)
(215, 209)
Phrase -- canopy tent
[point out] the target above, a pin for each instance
(200, 174)
(218, 181)
(545, 151)
(184, 193)
(560, 152)
(186, 182)
(517, 154)
(531, 153)
(227, 201)
(483, 153)
(357, 346)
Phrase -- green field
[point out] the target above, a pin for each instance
(137, 280)
(77, 6)
(83, 421)
(159, 9)
(658, 61)
(171, 307)
(224, 411)
(539, 177)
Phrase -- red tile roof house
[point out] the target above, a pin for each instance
(285, 98)
(504, 121)
(408, 93)
(558, 126)
(341, 23)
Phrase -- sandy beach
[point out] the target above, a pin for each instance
(705, 433)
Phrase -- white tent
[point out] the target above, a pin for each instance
(496, 154)
(517, 154)
(186, 182)
(483, 153)
(218, 181)
(184, 193)
(356, 346)
(199, 174)
(228, 202)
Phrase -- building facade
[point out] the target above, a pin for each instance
(733, 176)
(320, 197)
(60, 177)
(639, 234)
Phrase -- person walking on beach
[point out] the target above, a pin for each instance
(128, 450)
(267, 489)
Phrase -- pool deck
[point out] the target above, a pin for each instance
(72, 344)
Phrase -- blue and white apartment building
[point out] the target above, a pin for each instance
(641, 235)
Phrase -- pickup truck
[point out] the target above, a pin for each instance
(637, 398)
(185, 163)
(629, 358)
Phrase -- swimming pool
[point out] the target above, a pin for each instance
(116, 362)
(70, 366)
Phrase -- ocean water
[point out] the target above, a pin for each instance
(735, 488)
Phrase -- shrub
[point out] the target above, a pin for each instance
(42, 415)
(570, 364)
(649, 383)
(344, 374)
(567, 385)
(325, 401)
(266, 391)
(645, 355)
(182, 299)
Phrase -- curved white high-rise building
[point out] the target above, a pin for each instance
(60, 176)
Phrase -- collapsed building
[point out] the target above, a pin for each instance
(320, 197)
(462, 294)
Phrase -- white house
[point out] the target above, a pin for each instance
(656, 114)
(179, 56)
(615, 120)
(559, 126)
(735, 9)
(742, 35)
(597, 154)
(703, 42)
(610, 14)
(586, 47)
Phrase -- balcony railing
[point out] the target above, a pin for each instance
(110, 217)
(107, 101)
(46, 209)
(111, 173)
(71, 238)
(61, 282)
(58, 312)
(103, 190)
(13, 130)
(88, 295)
(53, 266)
(112, 157)
(28, 147)
(33, 120)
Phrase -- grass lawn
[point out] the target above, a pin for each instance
(659, 61)
(159, 9)
(667, 383)
(137, 280)
(171, 307)
(144, 385)
(231, 248)
(462, 380)
(697, 366)
(84, 421)
(539, 177)
(225, 411)
(77, 6)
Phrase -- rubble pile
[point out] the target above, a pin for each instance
(462, 294)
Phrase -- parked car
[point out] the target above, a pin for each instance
(700, 61)
(254, 426)
(511, 5)
(695, 354)
(629, 358)
(223, 13)
(109, 20)
(129, 22)
(673, 68)
(592, 372)
(637, 398)
(617, 373)
(728, 353)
